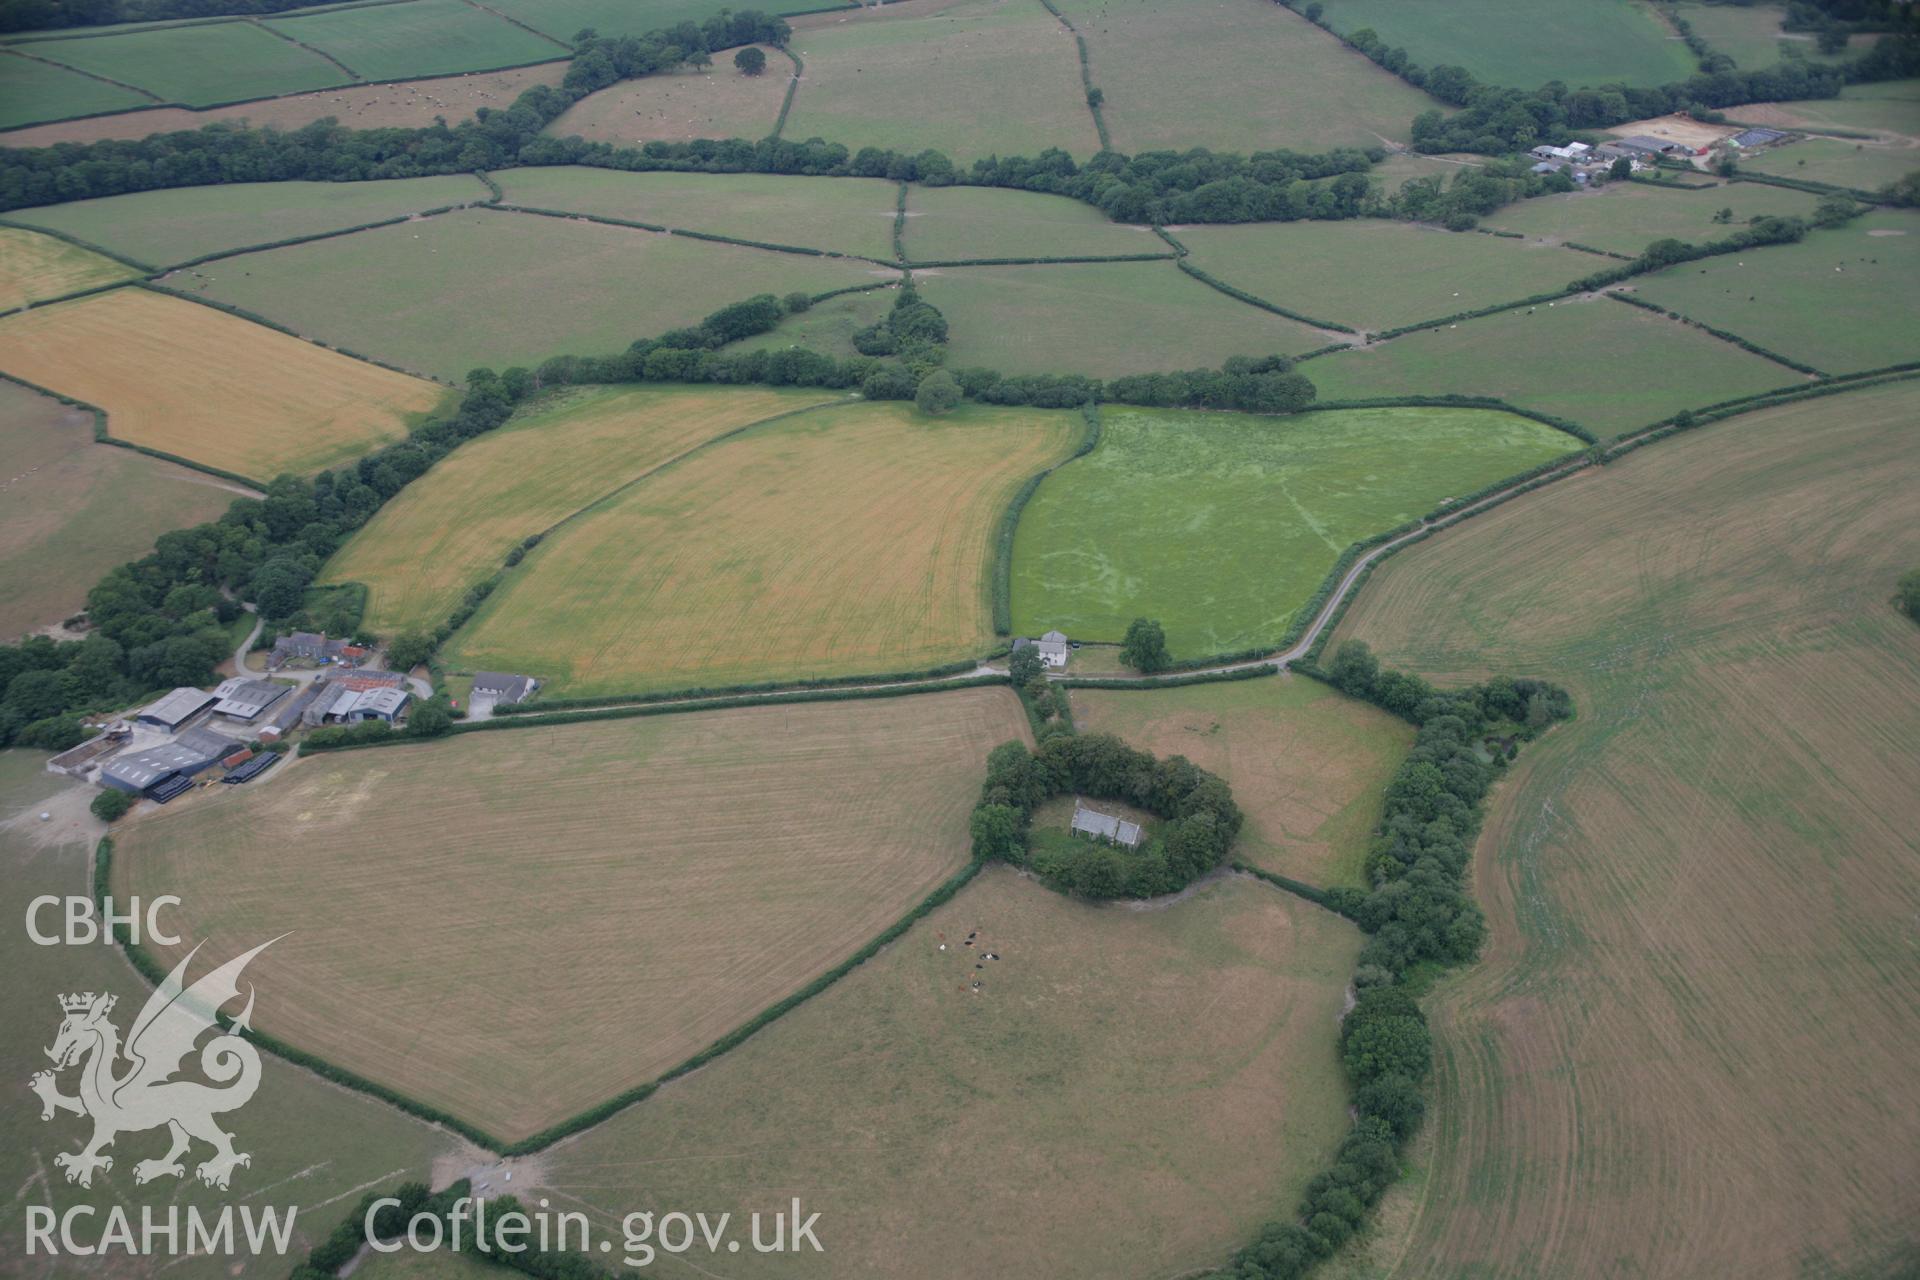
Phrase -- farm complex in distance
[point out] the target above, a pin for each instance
(1073, 639)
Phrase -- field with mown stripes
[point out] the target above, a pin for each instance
(1696, 1013)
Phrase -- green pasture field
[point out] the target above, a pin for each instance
(1609, 367)
(1308, 766)
(1886, 106)
(164, 227)
(1704, 877)
(412, 1264)
(1751, 35)
(1235, 75)
(470, 288)
(419, 38)
(73, 509)
(970, 78)
(455, 525)
(318, 1146)
(839, 215)
(31, 92)
(1128, 1096)
(1841, 300)
(563, 19)
(1222, 525)
(1525, 43)
(828, 327)
(1101, 319)
(632, 890)
(1374, 274)
(197, 66)
(945, 223)
(1839, 162)
(851, 540)
(1626, 217)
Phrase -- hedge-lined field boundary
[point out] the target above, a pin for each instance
(760, 1021)
(477, 594)
(101, 435)
(144, 268)
(150, 969)
(1000, 586)
(75, 296)
(1169, 682)
(1039, 262)
(689, 232)
(1241, 295)
(267, 322)
(1094, 97)
(793, 83)
(1724, 335)
(1808, 186)
(945, 671)
(614, 711)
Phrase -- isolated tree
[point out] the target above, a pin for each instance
(1909, 596)
(1621, 168)
(408, 650)
(110, 806)
(1354, 669)
(750, 61)
(1145, 648)
(1025, 665)
(430, 719)
(938, 393)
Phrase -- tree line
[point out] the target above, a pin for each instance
(1420, 918)
(1197, 185)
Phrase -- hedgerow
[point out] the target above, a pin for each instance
(1722, 334)
(1010, 522)
(1242, 295)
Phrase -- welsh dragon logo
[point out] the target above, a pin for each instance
(145, 1094)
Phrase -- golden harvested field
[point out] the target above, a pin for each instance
(551, 916)
(201, 384)
(682, 105)
(1128, 1096)
(455, 525)
(71, 509)
(406, 104)
(845, 541)
(1689, 1047)
(1308, 765)
(34, 267)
